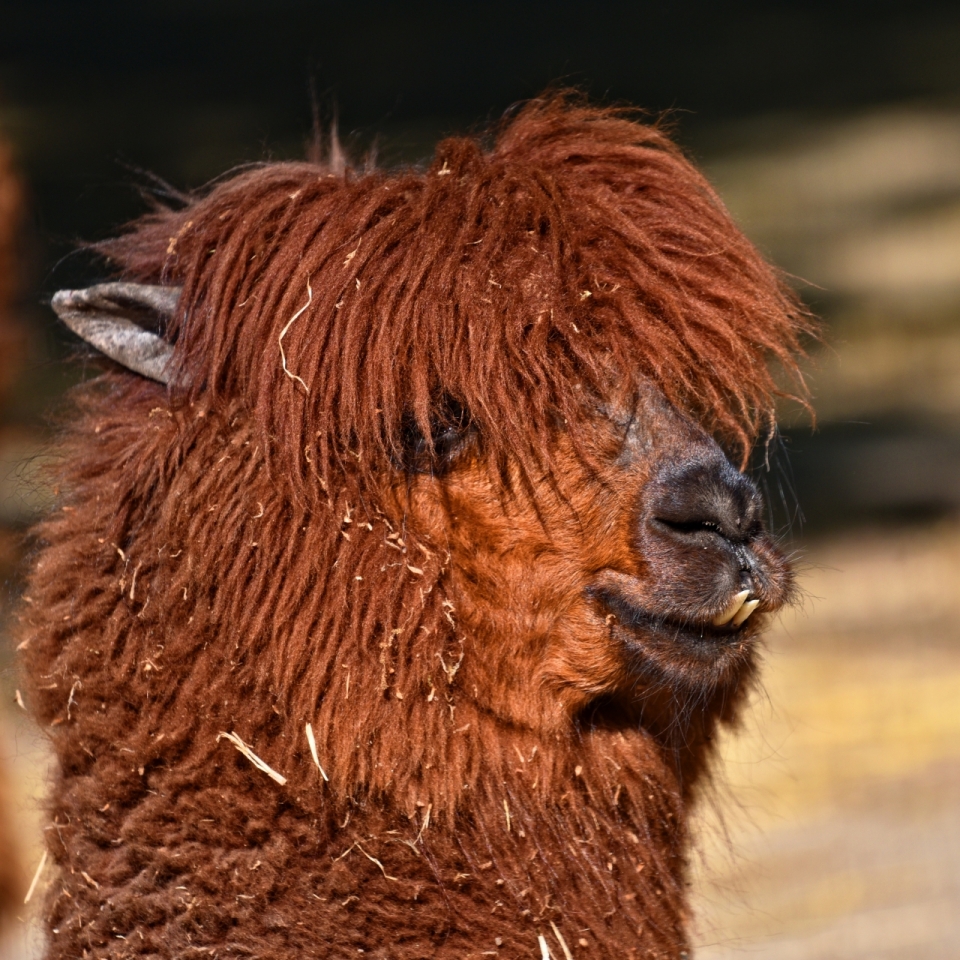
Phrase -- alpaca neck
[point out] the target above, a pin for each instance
(579, 838)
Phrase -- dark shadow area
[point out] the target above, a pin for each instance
(891, 471)
(93, 93)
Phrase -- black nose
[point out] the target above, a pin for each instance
(703, 499)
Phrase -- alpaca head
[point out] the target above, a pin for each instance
(490, 400)
(414, 488)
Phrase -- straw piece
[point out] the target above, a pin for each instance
(313, 751)
(283, 333)
(374, 860)
(544, 949)
(356, 846)
(253, 758)
(36, 877)
(563, 943)
(425, 824)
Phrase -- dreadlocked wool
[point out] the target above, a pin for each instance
(315, 629)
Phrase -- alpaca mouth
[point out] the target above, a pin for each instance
(623, 610)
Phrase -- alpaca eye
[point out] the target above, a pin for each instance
(451, 429)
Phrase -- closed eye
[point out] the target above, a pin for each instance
(451, 430)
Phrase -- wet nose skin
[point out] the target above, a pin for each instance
(702, 500)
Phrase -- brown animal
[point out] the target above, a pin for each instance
(391, 608)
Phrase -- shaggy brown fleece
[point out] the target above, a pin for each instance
(405, 488)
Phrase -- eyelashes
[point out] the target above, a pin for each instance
(451, 432)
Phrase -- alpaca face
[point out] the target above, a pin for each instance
(639, 565)
(631, 567)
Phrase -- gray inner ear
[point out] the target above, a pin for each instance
(125, 322)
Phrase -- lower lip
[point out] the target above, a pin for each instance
(679, 633)
(632, 621)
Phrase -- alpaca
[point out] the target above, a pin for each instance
(399, 580)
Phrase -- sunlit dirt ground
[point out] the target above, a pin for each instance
(840, 798)
(23, 757)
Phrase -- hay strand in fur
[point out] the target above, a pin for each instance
(312, 743)
(253, 758)
(563, 943)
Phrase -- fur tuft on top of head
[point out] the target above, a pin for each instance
(582, 250)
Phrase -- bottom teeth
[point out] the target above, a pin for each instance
(745, 612)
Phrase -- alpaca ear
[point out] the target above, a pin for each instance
(125, 322)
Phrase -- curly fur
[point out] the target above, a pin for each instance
(401, 489)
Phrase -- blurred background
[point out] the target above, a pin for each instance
(832, 130)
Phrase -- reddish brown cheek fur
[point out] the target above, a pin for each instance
(519, 565)
(503, 759)
(518, 569)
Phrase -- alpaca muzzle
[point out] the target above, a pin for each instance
(706, 564)
(709, 510)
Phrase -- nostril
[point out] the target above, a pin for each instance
(690, 526)
(701, 500)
